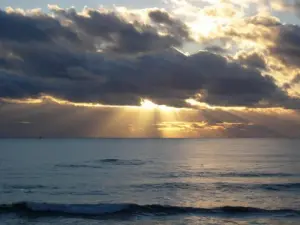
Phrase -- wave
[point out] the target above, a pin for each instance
(257, 174)
(169, 186)
(10, 187)
(220, 186)
(49, 209)
(96, 164)
(266, 187)
(132, 162)
(78, 166)
(184, 174)
(280, 187)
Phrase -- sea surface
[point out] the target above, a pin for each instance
(149, 181)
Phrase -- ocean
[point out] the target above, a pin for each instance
(149, 181)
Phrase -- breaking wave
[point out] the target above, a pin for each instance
(85, 210)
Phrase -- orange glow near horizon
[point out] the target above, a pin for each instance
(151, 119)
(145, 104)
(267, 110)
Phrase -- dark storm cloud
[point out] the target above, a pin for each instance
(117, 34)
(15, 86)
(39, 59)
(94, 31)
(167, 77)
(175, 26)
(42, 62)
(39, 27)
(228, 83)
(287, 45)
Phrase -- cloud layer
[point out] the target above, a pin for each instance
(116, 57)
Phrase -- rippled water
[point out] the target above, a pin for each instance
(90, 181)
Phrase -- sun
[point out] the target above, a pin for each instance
(149, 105)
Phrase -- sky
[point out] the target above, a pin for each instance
(79, 4)
(150, 69)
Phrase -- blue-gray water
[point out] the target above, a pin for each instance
(223, 181)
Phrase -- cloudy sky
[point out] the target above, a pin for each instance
(150, 68)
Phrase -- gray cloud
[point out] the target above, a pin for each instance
(296, 79)
(267, 21)
(111, 32)
(293, 82)
(297, 7)
(33, 28)
(175, 26)
(15, 86)
(216, 49)
(41, 63)
(287, 45)
(252, 59)
(281, 41)
(167, 77)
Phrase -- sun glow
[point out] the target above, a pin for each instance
(148, 119)
(149, 105)
(265, 110)
(44, 99)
